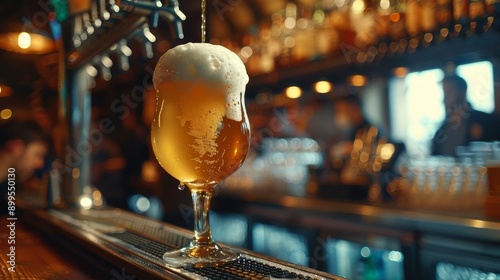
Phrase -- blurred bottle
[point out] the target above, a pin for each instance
(461, 10)
(398, 18)
(493, 10)
(385, 9)
(492, 7)
(363, 16)
(304, 34)
(477, 15)
(413, 16)
(460, 16)
(477, 9)
(444, 16)
(326, 39)
(428, 21)
(340, 22)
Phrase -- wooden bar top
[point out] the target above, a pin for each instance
(35, 257)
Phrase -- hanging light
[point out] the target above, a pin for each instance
(27, 28)
(293, 92)
(323, 87)
(27, 43)
(400, 72)
(358, 80)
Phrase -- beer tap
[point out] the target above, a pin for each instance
(94, 15)
(87, 24)
(116, 12)
(148, 39)
(123, 52)
(103, 11)
(88, 40)
(155, 10)
(105, 64)
(92, 72)
(77, 32)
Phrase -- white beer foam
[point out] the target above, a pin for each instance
(204, 61)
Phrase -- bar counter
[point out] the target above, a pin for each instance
(111, 243)
(431, 240)
(36, 257)
(317, 212)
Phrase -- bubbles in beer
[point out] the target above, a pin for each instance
(203, 118)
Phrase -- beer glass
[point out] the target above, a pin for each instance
(200, 134)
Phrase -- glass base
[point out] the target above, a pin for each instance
(200, 256)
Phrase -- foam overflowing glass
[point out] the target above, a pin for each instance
(200, 134)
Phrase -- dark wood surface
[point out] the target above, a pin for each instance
(38, 258)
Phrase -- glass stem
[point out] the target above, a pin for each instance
(201, 204)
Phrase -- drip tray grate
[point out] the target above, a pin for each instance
(143, 242)
(243, 268)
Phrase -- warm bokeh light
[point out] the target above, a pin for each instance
(28, 43)
(91, 70)
(385, 4)
(293, 92)
(5, 91)
(395, 17)
(5, 114)
(358, 6)
(323, 86)
(387, 151)
(358, 80)
(24, 40)
(85, 202)
(400, 72)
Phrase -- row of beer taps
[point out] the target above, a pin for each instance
(103, 15)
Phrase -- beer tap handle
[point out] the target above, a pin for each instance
(124, 52)
(103, 11)
(94, 15)
(116, 11)
(106, 63)
(92, 72)
(78, 35)
(87, 24)
(148, 42)
(156, 10)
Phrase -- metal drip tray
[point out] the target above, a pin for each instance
(141, 242)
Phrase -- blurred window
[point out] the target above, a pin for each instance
(479, 77)
(416, 102)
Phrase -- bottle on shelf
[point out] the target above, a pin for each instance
(477, 9)
(413, 16)
(363, 16)
(428, 21)
(493, 13)
(444, 16)
(397, 18)
(492, 7)
(477, 15)
(460, 16)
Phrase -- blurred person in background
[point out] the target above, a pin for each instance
(23, 147)
(462, 123)
(351, 121)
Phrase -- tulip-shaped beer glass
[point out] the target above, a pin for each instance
(200, 134)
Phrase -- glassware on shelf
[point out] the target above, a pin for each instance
(283, 167)
(446, 183)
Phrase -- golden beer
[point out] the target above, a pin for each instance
(193, 139)
(200, 134)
